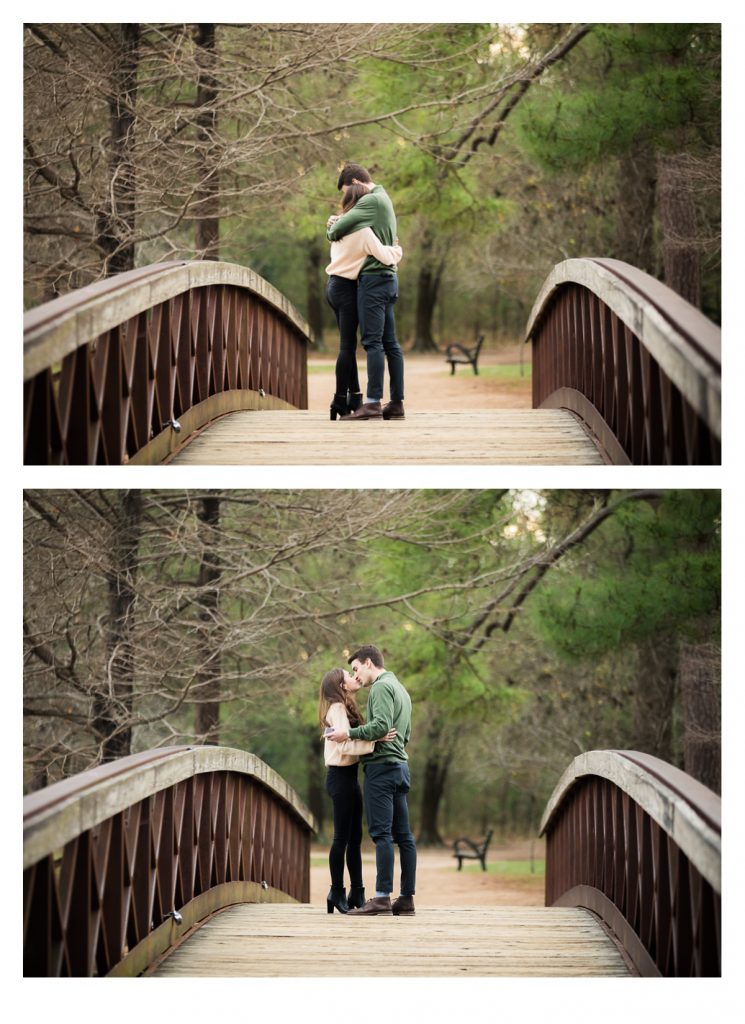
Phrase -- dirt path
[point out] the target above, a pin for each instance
(429, 384)
(439, 883)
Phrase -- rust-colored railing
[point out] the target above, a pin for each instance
(122, 861)
(638, 842)
(638, 365)
(127, 368)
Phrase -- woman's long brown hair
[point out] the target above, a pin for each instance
(332, 693)
(351, 196)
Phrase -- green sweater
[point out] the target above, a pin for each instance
(389, 706)
(375, 210)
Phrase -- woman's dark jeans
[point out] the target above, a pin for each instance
(346, 797)
(341, 295)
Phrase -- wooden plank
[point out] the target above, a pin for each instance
(275, 940)
(300, 438)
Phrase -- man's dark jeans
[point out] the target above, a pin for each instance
(386, 786)
(376, 295)
(341, 295)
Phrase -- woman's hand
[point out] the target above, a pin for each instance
(337, 735)
(390, 735)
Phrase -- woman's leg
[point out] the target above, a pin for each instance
(354, 845)
(341, 793)
(341, 294)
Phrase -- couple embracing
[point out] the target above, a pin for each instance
(380, 744)
(362, 288)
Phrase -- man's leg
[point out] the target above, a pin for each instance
(402, 834)
(380, 784)
(373, 297)
(392, 350)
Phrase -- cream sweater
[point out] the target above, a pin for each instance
(348, 752)
(350, 252)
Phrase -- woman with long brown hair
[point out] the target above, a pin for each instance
(337, 709)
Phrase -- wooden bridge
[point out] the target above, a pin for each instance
(186, 861)
(206, 363)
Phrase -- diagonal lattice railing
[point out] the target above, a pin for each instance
(638, 842)
(122, 861)
(638, 365)
(127, 368)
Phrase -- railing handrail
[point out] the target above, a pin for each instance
(56, 328)
(66, 809)
(683, 341)
(683, 808)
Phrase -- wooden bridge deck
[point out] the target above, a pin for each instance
(302, 940)
(299, 438)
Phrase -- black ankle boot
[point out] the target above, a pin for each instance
(356, 896)
(338, 406)
(354, 401)
(337, 898)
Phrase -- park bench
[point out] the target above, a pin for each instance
(466, 849)
(456, 353)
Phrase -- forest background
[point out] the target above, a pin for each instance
(528, 626)
(506, 148)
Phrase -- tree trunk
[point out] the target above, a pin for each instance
(112, 705)
(428, 285)
(436, 766)
(636, 205)
(115, 222)
(314, 292)
(700, 687)
(677, 211)
(207, 687)
(207, 194)
(655, 699)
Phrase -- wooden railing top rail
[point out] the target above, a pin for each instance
(685, 809)
(57, 814)
(56, 328)
(683, 341)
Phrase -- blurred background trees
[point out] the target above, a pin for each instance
(528, 626)
(506, 148)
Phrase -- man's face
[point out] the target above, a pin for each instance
(365, 671)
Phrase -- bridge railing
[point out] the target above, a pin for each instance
(638, 842)
(639, 365)
(120, 862)
(127, 368)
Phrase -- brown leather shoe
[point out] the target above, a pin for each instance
(403, 907)
(367, 411)
(394, 411)
(374, 907)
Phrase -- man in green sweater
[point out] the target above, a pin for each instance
(377, 291)
(387, 782)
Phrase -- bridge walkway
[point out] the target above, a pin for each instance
(467, 437)
(302, 940)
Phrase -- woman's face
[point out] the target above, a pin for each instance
(350, 684)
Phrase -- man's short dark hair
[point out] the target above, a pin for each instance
(368, 651)
(351, 171)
